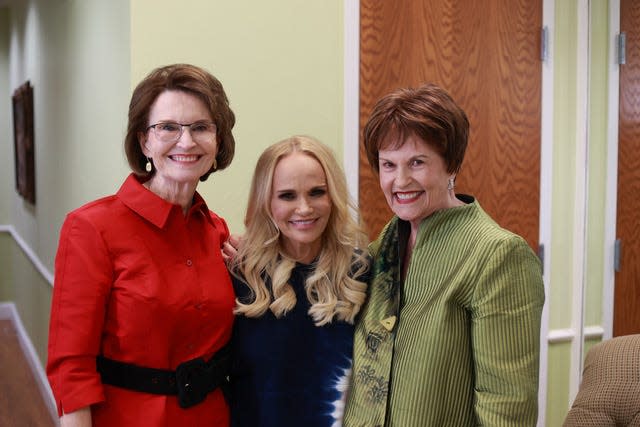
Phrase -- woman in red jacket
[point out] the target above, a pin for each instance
(142, 301)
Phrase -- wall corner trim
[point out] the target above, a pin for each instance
(351, 97)
(35, 260)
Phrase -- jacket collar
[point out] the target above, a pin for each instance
(152, 207)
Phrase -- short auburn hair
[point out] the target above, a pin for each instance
(185, 78)
(427, 112)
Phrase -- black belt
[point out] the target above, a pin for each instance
(191, 381)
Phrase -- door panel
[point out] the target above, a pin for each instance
(486, 54)
(626, 313)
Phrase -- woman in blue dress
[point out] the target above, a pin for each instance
(300, 277)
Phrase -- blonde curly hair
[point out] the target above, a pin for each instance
(332, 289)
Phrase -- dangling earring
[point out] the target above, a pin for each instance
(148, 167)
(451, 184)
(215, 164)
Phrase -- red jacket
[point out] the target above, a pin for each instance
(138, 282)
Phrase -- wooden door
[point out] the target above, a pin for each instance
(486, 54)
(626, 311)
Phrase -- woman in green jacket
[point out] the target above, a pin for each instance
(451, 330)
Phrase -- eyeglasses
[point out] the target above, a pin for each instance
(202, 131)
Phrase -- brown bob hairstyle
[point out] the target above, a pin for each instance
(427, 112)
(186, 78)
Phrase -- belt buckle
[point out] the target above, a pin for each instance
(192, 382)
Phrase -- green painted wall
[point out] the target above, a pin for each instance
(558, 384)
(23, 285)
(7, 279)
(597, 158)
(564, 166)
(563, 200)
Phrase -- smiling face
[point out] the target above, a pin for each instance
(181, 163)
(414, 180)
(300, 205)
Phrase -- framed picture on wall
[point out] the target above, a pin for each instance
(23, 140)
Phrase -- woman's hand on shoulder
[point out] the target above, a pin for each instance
(230, 248)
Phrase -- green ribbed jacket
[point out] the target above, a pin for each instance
(464, 349)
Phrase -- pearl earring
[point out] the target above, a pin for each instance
(148, 167)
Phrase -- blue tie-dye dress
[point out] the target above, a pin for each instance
(287, 371)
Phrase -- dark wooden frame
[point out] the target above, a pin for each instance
(23, 142)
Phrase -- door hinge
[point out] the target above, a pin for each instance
(622, 48)
(617, 254)
(544, 44)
